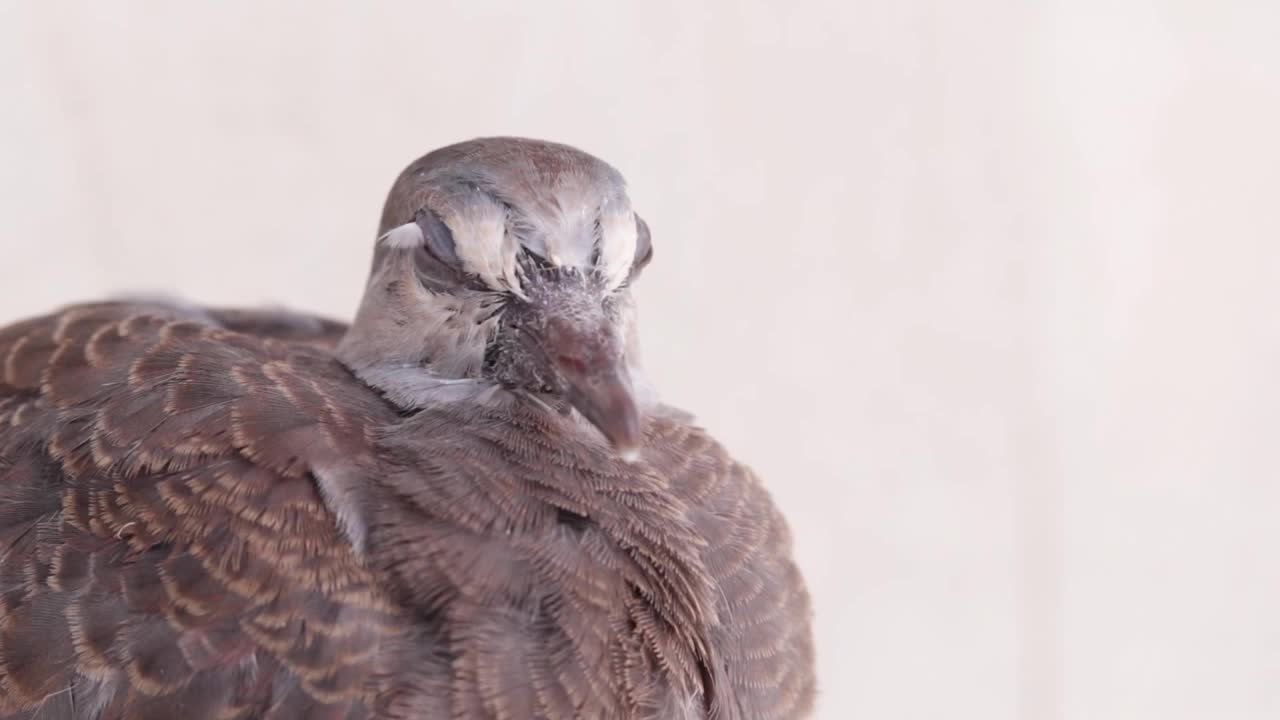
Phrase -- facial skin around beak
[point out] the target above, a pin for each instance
(599, 385)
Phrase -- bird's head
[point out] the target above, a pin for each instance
(504, 265)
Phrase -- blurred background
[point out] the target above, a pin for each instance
(985, 291)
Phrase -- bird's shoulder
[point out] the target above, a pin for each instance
(162, 543)
(156, 385)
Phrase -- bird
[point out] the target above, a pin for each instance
(468, 502)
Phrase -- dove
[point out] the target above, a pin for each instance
(468, 502)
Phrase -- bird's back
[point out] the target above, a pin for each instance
(163, 550)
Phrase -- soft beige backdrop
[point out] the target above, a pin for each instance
(986, 291)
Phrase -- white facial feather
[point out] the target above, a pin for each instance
(569, 234)
(617, 245)
(403, 237)
(484, 245)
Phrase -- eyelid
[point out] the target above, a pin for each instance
(436, 236)
(644, 246)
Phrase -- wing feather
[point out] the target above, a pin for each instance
(761, 629)
(162, 544)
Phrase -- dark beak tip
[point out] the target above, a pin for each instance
(619, 421)
(610, 406)
(627, 444)
(625, 435)
(599, 383)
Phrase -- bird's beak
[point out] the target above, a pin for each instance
(600, 386)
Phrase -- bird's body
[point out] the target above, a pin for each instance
(238, 514)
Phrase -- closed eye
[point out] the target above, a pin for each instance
(644, 248)
(436, 237)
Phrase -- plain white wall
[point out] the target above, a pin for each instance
(985, 291)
